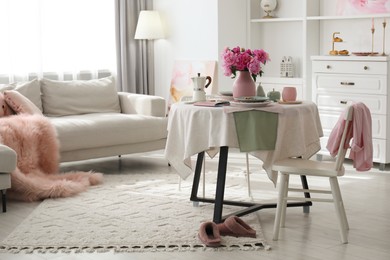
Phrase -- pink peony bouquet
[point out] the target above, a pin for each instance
(240, 59)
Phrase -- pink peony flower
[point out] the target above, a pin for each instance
(240, 59)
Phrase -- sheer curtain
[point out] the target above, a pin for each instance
(135, 67)
(56, 37)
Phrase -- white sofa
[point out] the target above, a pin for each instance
(92, 119)
(7, 165)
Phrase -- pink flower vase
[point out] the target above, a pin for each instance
(244, 86)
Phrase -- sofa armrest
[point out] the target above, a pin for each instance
(132, 103)
(7, 159)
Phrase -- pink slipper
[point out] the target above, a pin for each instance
(235, 227)
(209, 234)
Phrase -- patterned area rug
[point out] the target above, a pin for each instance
(128, 213)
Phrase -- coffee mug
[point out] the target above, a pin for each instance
(289, 94)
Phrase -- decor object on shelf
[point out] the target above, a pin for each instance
(289, 94)
(268, 6)
(335, 52)
(199, 85)
(287, 67)
(246, 61)
(181, 84)
(149, 26)
(274, 95)
(384, 37)
(260, 91)
(353, 7)
(372, 38)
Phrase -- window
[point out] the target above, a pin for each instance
(56, 36)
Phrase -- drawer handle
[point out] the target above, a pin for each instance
(344, 83)
(365, 68)
(344, 102)
(328, 66)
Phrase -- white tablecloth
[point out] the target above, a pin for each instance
(194, 129)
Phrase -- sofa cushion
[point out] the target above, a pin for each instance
(30, 89)
(61, 98)
(4, 87)
(20, 104)
(107, 129)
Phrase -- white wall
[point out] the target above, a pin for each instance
(201, 29)
(198, 30)
(191, 34)
(232, 31)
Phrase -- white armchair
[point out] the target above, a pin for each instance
(7, 165)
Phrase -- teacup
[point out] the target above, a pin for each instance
(289, 94)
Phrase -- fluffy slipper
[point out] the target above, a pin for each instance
(236, 227)
(209, 234)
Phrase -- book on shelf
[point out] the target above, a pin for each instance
(212, 103)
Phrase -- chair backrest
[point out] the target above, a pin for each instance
(348, 113)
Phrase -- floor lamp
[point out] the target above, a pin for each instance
(149, 27)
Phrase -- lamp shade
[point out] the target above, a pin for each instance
(149, 26)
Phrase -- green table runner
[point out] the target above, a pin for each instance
(256, 130)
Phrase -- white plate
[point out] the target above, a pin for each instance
(250, 104)
(289, 102)
(252, 99)
(226, 93)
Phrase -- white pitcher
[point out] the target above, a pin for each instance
(200, 83)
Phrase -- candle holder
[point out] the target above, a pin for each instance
(384, 38)
(372, 40)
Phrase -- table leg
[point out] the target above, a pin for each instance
(195, 183)
(219, 201)
(220, 189)
(306, 208)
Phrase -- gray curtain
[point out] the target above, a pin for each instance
(135, 61)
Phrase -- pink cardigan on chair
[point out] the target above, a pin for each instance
(360, 132)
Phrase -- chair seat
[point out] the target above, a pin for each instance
(307, 167)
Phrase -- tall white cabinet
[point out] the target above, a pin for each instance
(340, 80)
(303, 28)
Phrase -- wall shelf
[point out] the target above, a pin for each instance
(349, 17)
(275, 20)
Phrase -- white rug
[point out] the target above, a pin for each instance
(128, 213)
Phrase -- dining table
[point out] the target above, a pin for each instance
(269, 132)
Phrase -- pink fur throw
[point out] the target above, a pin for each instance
(37, 175)
(5, 110)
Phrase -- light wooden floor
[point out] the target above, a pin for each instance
(306, 236)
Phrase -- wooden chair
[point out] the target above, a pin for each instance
(331, 170)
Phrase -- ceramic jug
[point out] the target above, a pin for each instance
(200, 83)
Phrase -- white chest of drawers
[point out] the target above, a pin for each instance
(337, 80)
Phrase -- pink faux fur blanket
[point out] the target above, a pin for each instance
(37, 175)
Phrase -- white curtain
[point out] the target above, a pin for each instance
(62, 37)
(135, 58)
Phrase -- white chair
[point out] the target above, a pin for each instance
(328, 169)
(7, 165)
